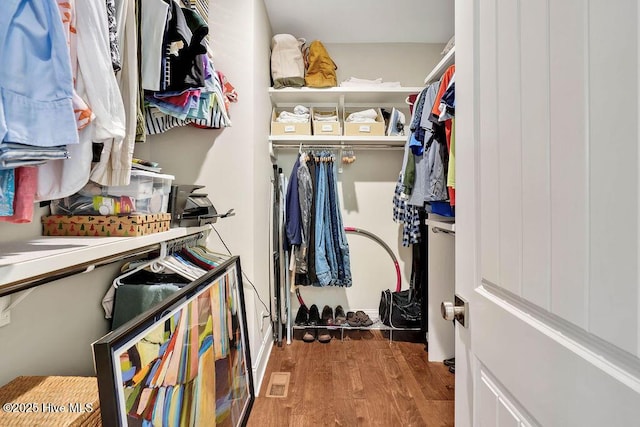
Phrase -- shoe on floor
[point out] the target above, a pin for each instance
(352, 319)
(364, 318)
(324, 336)
(450, 362)
(340, 318)
(452, 369)
(327, 316)
(309, 335)
(302, 317)
(314, 316)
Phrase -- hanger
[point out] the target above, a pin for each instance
(219, 256)
(157, 265)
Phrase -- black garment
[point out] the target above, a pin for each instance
(310, 278)
(185, 42)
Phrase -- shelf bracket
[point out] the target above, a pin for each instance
(272, 153)
(8, 302)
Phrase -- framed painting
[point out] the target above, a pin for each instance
(185, 362)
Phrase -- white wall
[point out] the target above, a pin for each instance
(52, 329)
(407, 63)
(233, 163)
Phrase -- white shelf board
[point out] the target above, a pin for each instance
(22, 260)
(448, 226)
(446, 61)
(374, 96)
(350, 140)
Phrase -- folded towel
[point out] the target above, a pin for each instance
(288, 117)
(364, 116)
(356, 82)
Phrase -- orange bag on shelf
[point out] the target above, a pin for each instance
(321, 70)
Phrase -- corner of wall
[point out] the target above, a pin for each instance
(261, 360)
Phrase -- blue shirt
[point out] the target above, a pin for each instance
(293, 217)
(36, 84)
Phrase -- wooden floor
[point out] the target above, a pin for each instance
(362, 381)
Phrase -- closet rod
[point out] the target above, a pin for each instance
(32, 282)
(338, 147)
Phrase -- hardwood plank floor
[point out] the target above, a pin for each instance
(362, 381)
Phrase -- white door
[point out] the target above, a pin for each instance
(547, 227)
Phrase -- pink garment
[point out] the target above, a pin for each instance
(182, 100)
(229, 92)
(26, 185)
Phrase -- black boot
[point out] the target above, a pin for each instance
(327, 316)
(314, 316)
(302, 317)
(340, 318)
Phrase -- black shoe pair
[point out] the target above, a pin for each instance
(307, 317)
(311, 317)
(329, 319)
(451, 363)
(327, 316)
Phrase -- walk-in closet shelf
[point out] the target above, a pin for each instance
(364, 97)
(376, 326)
(446, 61)
(25, 262)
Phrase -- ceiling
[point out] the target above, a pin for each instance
(363, 21)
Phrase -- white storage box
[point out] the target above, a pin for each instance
(280, 128)
(325, 127)
(363, 129)
(150, 191)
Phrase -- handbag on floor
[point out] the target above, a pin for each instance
(400, 309)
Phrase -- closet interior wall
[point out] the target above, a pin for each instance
(233, 163)
(52, 329)
(366, 186)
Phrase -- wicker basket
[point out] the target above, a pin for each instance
(50, 401)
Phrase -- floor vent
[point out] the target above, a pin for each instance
(278, 384)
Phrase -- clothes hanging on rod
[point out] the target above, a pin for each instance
(427, 175)
(203, 258)
(99, 53)
(148, 283)
(315, 230)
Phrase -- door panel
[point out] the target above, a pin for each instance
(536, 182)
(558, 375)
(613, 174)
(547, 226)
(509, 146)
(569, 201)
(487, 111)
(496, 408)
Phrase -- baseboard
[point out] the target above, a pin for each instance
(260, 362)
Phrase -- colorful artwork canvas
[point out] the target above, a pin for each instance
(185, 362)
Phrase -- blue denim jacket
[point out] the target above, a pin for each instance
(36, 83)
(331, 247)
